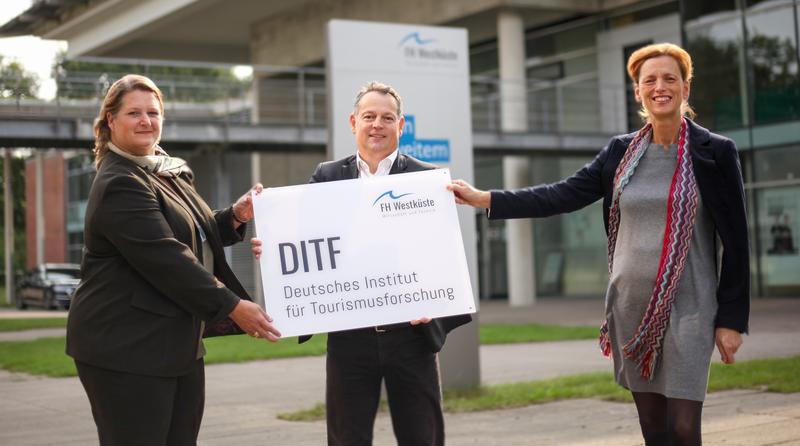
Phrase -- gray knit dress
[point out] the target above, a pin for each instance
(682, 371)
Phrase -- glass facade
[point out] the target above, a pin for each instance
(80, 173)
(718, 94)
(747, 86)
(776, 219)
(570, 249)
(491, 237)
(562, 79)
(772, 52)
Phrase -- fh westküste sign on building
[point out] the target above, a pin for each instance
(359, 253)
(429, 67)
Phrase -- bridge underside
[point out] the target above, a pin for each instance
(183, 135)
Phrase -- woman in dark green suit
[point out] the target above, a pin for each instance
(154, 278)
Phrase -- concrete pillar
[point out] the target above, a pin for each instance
(8, 219)
(519, 239)
(40, 220)
(511, 54)
(514, 118)
(255, 93)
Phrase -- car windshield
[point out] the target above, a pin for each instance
(60, 274)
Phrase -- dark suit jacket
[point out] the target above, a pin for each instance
(143, 291)
(719, 180)
(346, 169)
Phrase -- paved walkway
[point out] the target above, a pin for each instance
(243, 399)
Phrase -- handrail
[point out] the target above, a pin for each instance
(288, 95)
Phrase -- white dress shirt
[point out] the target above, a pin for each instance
(383, 167)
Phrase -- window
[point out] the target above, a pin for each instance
(693, 9)
(772, 50)
(719, 85)
(632, 107)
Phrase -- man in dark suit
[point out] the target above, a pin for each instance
(404, 356)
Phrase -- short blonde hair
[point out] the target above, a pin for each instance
(381, 88)
(684, 60)
(112, 103)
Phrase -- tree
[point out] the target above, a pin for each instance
(18, 190)
(17, 82)
(717, 86)
(775, 78)
(716, 90)
(79, 79)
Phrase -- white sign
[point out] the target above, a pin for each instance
(358, 253)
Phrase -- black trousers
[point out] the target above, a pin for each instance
(132, 409)
(358, 360)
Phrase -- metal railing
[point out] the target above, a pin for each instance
(269, 95)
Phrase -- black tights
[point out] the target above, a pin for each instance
(668, 421)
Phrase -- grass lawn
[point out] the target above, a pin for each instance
(513, 334)
(32, 323)
(244, 348)
(46, 356)
(3, 303)
(43, 356)
(772, 375)
(489, 333)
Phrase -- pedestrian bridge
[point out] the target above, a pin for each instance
(274, 108)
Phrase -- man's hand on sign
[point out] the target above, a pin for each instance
(424, 320)
(255, 247)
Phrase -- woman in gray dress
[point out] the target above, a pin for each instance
(670, 191)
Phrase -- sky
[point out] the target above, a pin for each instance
(33, 53)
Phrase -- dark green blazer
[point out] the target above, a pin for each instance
(144, 290)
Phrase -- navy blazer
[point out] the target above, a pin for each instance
(347, 169)
(719, 180)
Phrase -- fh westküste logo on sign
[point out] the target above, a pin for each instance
(358, 253)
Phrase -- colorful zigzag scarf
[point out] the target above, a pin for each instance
(645, 346)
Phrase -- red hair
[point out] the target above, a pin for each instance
(643, 54)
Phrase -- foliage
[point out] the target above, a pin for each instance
(16, 82)
(315, 413)
(716, 93)
(79, 79)
(717, 86)
(775, 78)
(17, 170)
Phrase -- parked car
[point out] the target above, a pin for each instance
(49, 285)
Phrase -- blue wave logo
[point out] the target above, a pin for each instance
(391, 195)
(416, 38)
